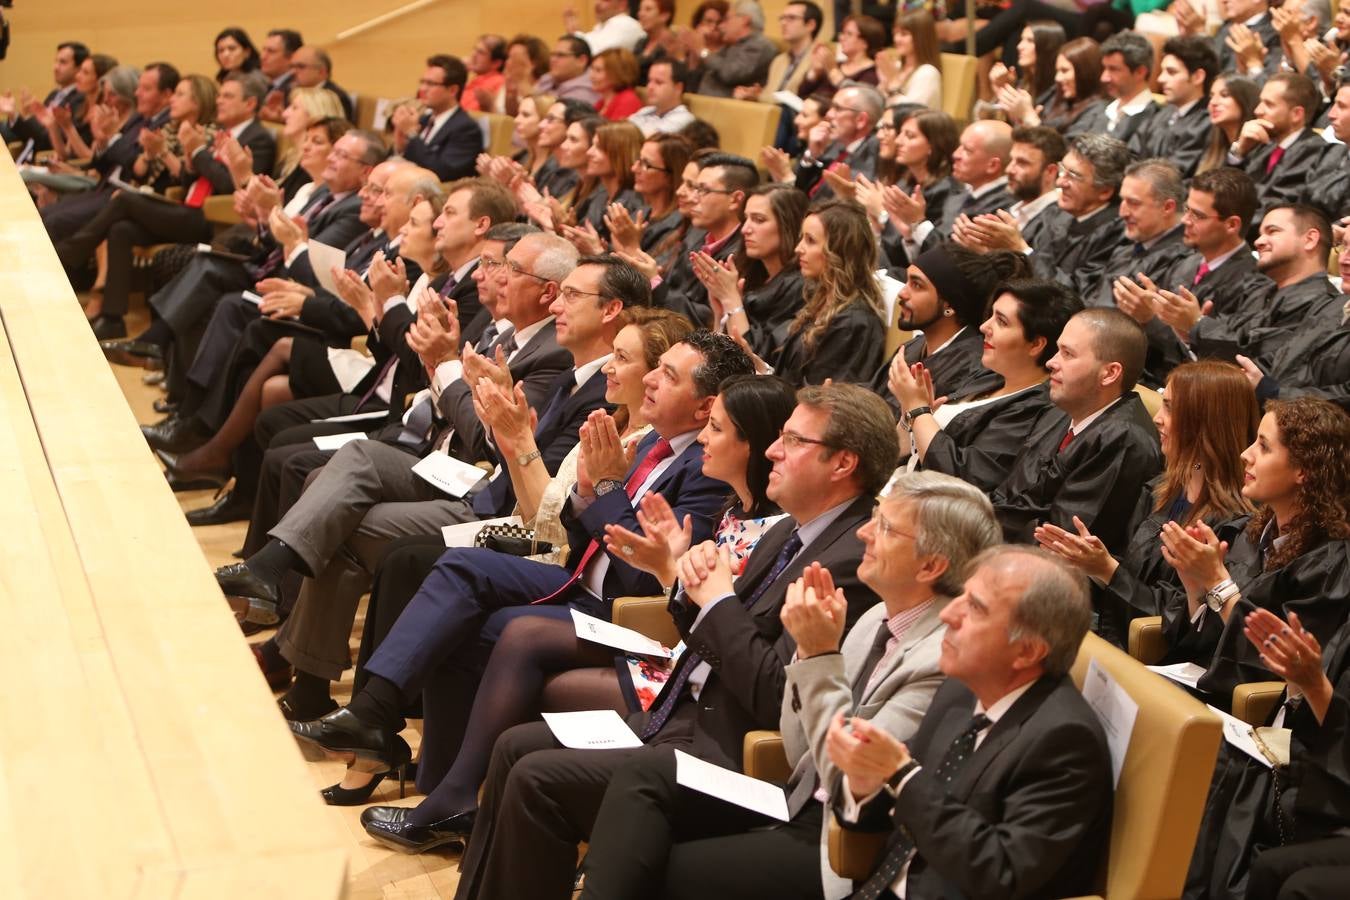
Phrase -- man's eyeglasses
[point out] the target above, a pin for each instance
(1188, 213)
(794, 441)
(427, 82)
(885, 528)
(702, 190)
(572, 295)
(515, 269)
(372, 190)
(1071, 174)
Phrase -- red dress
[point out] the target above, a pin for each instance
(620, 106)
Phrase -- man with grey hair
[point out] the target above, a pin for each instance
(1152, 196)
(1007, 782)
(745, 55)
(843, 143)
(916, 551)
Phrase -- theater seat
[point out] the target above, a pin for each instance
(1152, 399)
(1254, 701)
(219, 210)
(648, 616)
(958, 84)
(745, 127)
(762, 757)
(1146, 642)
(498, 130)
(1158, 801)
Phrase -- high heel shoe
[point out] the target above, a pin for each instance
(337, 795)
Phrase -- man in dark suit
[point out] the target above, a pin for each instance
(844, 142)
(446, 139)
(885, 670)
(310, 533)
(724, 183)
(1328, 184)
(313, 67)
(1006, 788)
(274, 61)
(835, 449)
(1278, 148)
(19, 126)
(115, 156)
(364, 497)
(1292, 253)
(1180, 130)
(1092, 455)
(1127, 62)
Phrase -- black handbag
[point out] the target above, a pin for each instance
(517, 540)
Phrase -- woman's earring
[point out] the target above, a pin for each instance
(947, 311)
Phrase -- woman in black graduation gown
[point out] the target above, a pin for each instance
(838, 333)
(1294, 555)
(977, 437)
(1209, 416)
(1263, 832)
(757, 293)
(606, 178)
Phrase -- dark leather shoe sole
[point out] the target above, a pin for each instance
(222, 512)
(131, 353)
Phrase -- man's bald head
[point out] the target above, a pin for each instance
(984, 151)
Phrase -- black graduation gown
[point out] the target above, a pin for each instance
(556, 180)
(1097, 477)
(1076, 261)
(681, 291)
(1285, 183)
(1328, 184)
(848, 350)
(1180, 139)
(1264, 323)
(894, 258)
(1240, 817)
(1095, 120)
(1129, 258)
(980, 445)
(771, 307)
(956, 368)
(592, 209)
(1145, 584)
(1315, 363)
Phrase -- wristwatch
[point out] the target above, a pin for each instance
(892, 785)
(528, 458)
(914, 413)
(1221, 593)
(607, 485)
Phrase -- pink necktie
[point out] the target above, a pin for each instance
(1275, 156)
(1200, 273)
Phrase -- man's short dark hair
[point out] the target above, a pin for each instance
(620, 281)
(701, 133)
(1133, 47)
(496, 47)
(376, 151)
(290, 39)
(1300, 91)
(1117, 338)
(722, 359)
(814, 16)
(1194, 52)
(1044, 138)
(577, 46)
(166, 75)
(456, 73)
(738, 173)
(77, 50)
(1306, 218)
(679, 72)
(1234, 193)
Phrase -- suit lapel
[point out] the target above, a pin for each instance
(1003, 732)
(916, 632)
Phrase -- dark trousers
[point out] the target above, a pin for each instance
(65, 217)
(1310, 871)
(205, 378)
(130, 220)
(654, 838)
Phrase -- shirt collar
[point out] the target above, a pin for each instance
(1182, 110)
(904, 620)
(1293, 136)
(1151, 242)
(463, 271)
(1223, 258)
(809, 531)
(989, 187)
(1025, 212)
(999, 708)
(1136, 105)
(524, 335)
(1092, 417)
(711, 247)
(583, 373)
(239, 129)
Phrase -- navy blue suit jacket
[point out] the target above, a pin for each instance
(453, 151)
(686, 489)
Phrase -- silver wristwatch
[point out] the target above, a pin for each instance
(608, 485)
(1221, 593)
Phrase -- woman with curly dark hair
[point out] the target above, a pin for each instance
(1294, 555)
(839, 332)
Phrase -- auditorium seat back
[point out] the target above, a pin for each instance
(744, 127)
(958, 84)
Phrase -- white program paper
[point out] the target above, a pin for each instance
(1116, 710)
(598, 729)
(462, 535)
(356, 417)
(334, 441)
(323, 259)
(789, 99)
(601, 632)
(1239, 734)
(251, 298)
(1186, 673)
(448, 474)
(732, 787)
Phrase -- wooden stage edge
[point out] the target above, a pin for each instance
(141, 754)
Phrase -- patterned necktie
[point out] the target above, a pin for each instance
(952, 763)
(658, 452)
(674, 688)
(1275, 156)
(1200, 273)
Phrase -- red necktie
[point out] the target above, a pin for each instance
(838, 161)
(659, 451)
(1067, 438)
(1200, 273)
(1275, 156)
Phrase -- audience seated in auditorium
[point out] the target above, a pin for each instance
(860, 39)
(274, 61)
(19, 123)
(444, 138)
(235, 53)
(843, 144)
(745, 54)
(614, 28)
(313, 68)
(910, 73)
(485, 66)
(1127, 66)
(569, 75)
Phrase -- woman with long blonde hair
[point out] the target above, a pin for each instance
(839, 332)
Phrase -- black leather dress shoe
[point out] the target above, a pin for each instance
(389, 825)
(340, 734)
(229, 508)
(175, 434)
(131, 353)
(263, 598)
(107, 328)
(164, 406)
(189, 479)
